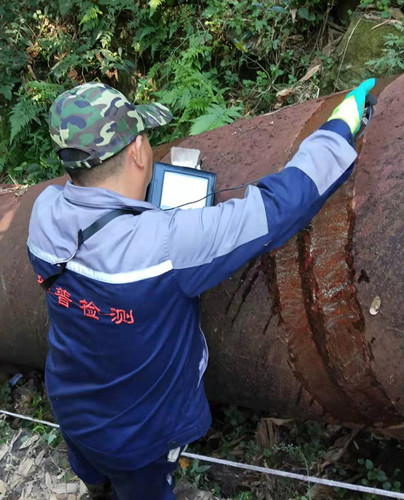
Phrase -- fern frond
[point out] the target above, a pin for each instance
(90, 15)
(154, 4)
(216, 116)
(22, 114)
(90, 18)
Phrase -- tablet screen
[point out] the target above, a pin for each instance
(181, 188)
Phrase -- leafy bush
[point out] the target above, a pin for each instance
(392, 61)
(211, 61)
(382, 5)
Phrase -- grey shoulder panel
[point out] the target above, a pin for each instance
(197, 236)
(324, 156)
(129, 248)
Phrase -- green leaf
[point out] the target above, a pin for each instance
(23, 113)
(216, 116)
(90, 16)
(51, 437)
(381, 475)
(369, 464)
(64, 6)
(6, 91)
(154, 4)
(202, 468)
(278, 8)
(304, 13)
(203, 124)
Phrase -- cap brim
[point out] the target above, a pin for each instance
(154, 115)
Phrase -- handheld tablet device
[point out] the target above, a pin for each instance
(172, 186)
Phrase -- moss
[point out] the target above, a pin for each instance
(361, 43)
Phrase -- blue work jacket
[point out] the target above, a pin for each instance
(127, 355)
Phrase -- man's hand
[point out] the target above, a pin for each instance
(352, 107)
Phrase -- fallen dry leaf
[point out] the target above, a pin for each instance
(184, 463)
(39, 458)
(48, 481)
(13, 440)
(267, 434)
(335, 453)
(29, 442)
(282, 95)
(285, 92)
(3, 451)
(73, 75)
(310, 72)
(27, 491)
(3, 488)
(83, 488)
(375, 306)
(65, 488)
(25, 466)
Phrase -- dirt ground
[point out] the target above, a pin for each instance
(31, 469)
(34, 463)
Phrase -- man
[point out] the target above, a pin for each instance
(122, 280)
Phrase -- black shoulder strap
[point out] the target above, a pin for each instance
(84, 234)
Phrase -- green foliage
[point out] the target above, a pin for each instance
(90, 18)
(216, 116)
(371, 475)
(383, 6)
(392, 61)
(5, 432)
(211, 61)
(28, 398)
(195, 473)
(50, 436)
(154, 4)
(27, 131)
(376, 477)
(5, 395)
(32, 104)
(244, 495)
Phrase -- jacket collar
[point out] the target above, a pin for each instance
(99, 198)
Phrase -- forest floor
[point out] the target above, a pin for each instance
(34, 463)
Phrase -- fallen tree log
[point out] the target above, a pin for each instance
(291, 333)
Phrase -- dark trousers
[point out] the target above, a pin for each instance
(152, 482)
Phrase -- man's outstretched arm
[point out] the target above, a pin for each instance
(207, 245)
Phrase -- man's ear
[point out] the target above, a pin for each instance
(135, 151)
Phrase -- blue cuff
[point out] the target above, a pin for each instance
(341, 128)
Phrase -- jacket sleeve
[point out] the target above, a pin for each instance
(207, 245)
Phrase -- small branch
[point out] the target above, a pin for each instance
(344, 54)
(387, 21)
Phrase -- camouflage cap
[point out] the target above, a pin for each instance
(98, 120)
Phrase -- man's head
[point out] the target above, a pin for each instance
(98, 134)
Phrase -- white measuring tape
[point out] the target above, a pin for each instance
(255, 468)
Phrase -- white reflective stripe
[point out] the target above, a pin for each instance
(173, 455)
(203, 363)
(41, 254)
(119, 278)
(113, 278)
